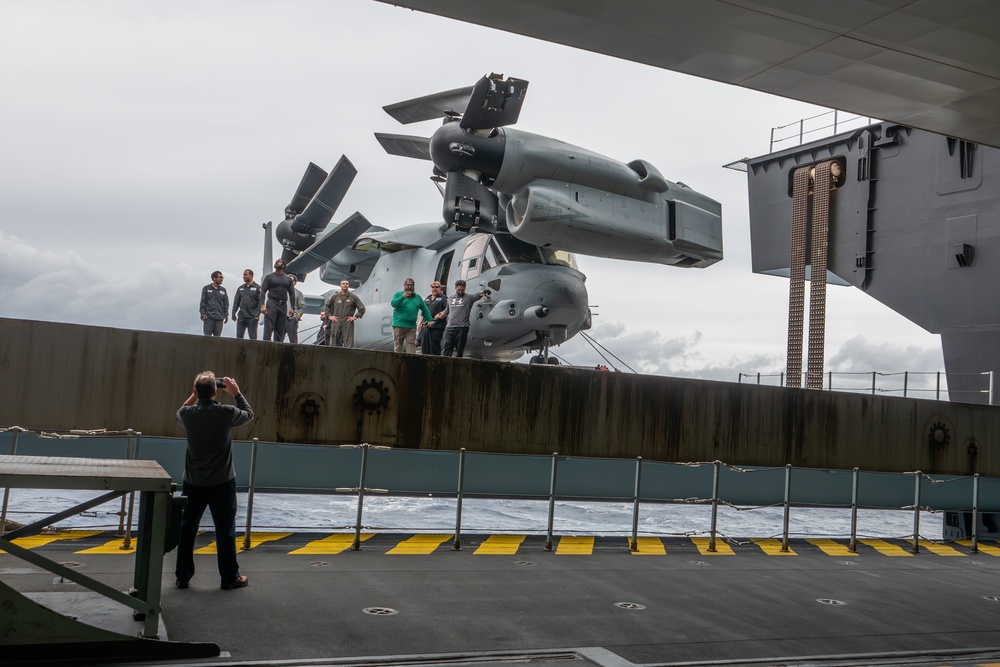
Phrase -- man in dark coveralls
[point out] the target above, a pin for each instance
(246, 306)
(278, 288)
(214, 307)
(209, 476)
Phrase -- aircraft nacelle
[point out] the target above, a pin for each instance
(679, 227)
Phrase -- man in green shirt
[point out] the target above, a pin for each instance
(405, 307)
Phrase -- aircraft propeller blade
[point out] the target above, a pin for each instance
(317, 214)
(429, 107)
(311, 180)
(319, 253)
(405, 145)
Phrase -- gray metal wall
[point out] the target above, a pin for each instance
(58, 376)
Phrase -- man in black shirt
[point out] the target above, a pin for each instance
(433, 330)
(278, 288)
(209, 475)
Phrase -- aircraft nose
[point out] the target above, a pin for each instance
(540, 299)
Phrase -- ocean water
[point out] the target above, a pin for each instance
(394, 514)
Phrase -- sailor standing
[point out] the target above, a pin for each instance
(214, 305)
(246, 306)
(296, 309)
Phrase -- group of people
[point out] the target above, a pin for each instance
(440, 322)
(276, 299)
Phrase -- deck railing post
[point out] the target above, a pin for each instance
(715, 505)
(6, 492)
(975, 513)
(758, 378)
(361, 497)
(634, 544)
(852, 546)
(552, 501)
(251, 490)
(121, 513)
(937, 395)
(127, 542)
(457, 546)
(829, 380)
(906, 382)
(788, 506)
(873, 382)
(916, 512)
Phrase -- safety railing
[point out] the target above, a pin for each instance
(912, 384)
(363, 470)
(813, 128)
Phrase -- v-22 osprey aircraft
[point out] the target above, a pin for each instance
(516, 207)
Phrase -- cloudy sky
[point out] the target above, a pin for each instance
(143, 144)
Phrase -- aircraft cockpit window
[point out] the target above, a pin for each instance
(516, 251)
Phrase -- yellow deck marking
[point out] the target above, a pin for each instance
(35, 541)
(983, 548)
(419, 544)
(772, 547)
(885, 548)
(830, 547)
(334, 544)
(721, 548)
(574, 545)
(939, 549)
(649, 546)
(255, 540)
(112, 547)
(505, 545)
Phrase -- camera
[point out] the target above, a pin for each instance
(220, 383)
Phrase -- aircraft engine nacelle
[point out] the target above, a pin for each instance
(680, 227)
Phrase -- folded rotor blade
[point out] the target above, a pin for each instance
(405, 145)
(495, 102)
(320, 209)
(311, 180)
(319, 253)
(429, 106)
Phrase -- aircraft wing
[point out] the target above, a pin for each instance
(319, 253)
(405, 145)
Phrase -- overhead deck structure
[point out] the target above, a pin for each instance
(929, 64)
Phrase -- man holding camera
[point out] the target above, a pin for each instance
(209, 475)
(406, 305)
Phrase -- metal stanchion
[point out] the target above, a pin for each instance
(6, 492)
(975, 513)
(552, 501)
(715, 506)
(361, 497)
(121, 513)
(788, 505)
(127, 542)
(634, 544)
(852, 546)
(250, 494)
(916, 512)
(457, 546)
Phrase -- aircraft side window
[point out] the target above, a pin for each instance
(473, 250)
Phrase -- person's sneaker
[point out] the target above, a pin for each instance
(182, 584)
(241, 581)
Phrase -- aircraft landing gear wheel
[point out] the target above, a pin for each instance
(552, 361)
(537, 359)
